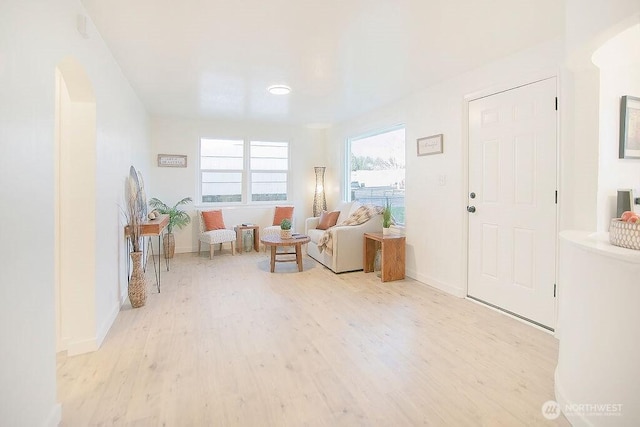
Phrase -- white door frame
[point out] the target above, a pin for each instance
(464, 196)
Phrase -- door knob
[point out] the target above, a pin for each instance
(471, 209)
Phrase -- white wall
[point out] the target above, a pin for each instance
(590, 23)
(619, 63)
(34, 37)
(76, 142)
(436, 185)
(587, 111)
(182, 136)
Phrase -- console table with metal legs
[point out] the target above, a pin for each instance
(149, 229)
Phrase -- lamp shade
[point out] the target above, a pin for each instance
(319, 199)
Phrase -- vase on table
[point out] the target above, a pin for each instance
(247, 240)
(377, 263)
(137, 282)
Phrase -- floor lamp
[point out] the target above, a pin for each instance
(319, 199)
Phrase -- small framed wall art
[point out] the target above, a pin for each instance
(629, 128)
(172, 161)
(430, 145)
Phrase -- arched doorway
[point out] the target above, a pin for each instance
(75, 227)
(618, 62)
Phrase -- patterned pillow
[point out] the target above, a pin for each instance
(362, 214)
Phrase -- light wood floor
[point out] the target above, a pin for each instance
(228, 343)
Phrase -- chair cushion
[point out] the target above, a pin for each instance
(328, 220)
(282, 212)
(218, 236)
(271, 230)
(213, 220)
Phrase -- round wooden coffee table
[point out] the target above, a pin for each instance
(276, 241)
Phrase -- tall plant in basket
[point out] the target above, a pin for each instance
(177, 218)
(135, 208)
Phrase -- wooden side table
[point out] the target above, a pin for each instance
(393, 254)
(239, 239)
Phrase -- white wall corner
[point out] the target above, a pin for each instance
(429, 281)
(577, 419)
(55, 416)
(106, 325)
(83, 346)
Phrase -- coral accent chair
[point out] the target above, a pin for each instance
(217, 235)
(279, 214)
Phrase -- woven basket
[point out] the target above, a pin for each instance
(285, 234)
(624, 234)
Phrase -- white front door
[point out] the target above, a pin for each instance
(512, 187)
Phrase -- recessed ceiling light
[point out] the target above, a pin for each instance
(279, 90)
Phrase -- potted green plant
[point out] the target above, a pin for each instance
(285, 229)
(177, 218)
(387, 218)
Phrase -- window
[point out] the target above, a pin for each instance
(269, 170)
(376, 169)
(227, 175)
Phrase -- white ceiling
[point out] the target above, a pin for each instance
(215, 58)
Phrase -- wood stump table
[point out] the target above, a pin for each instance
(393, 254)
(274, 241)
(239, 238)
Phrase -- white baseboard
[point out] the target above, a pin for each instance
(429, 281)
(88, 345)
(576, 420)
(80, 347)
(55, 416)
(106, 325)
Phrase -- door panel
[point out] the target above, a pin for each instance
(512, 170)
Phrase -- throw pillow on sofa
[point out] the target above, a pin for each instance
(328, 220)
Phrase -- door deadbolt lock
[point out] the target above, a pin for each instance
(472, 195)
(471, 209)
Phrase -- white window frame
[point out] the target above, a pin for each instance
(246, 173)
(346, 185)
(249, 171)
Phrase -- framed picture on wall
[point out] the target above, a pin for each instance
(172, 161)
(629, 128)
(430, 145)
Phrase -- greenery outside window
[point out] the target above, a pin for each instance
(376, 169)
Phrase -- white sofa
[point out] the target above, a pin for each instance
(347, 240)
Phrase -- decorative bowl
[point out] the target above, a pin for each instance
(624, 234)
